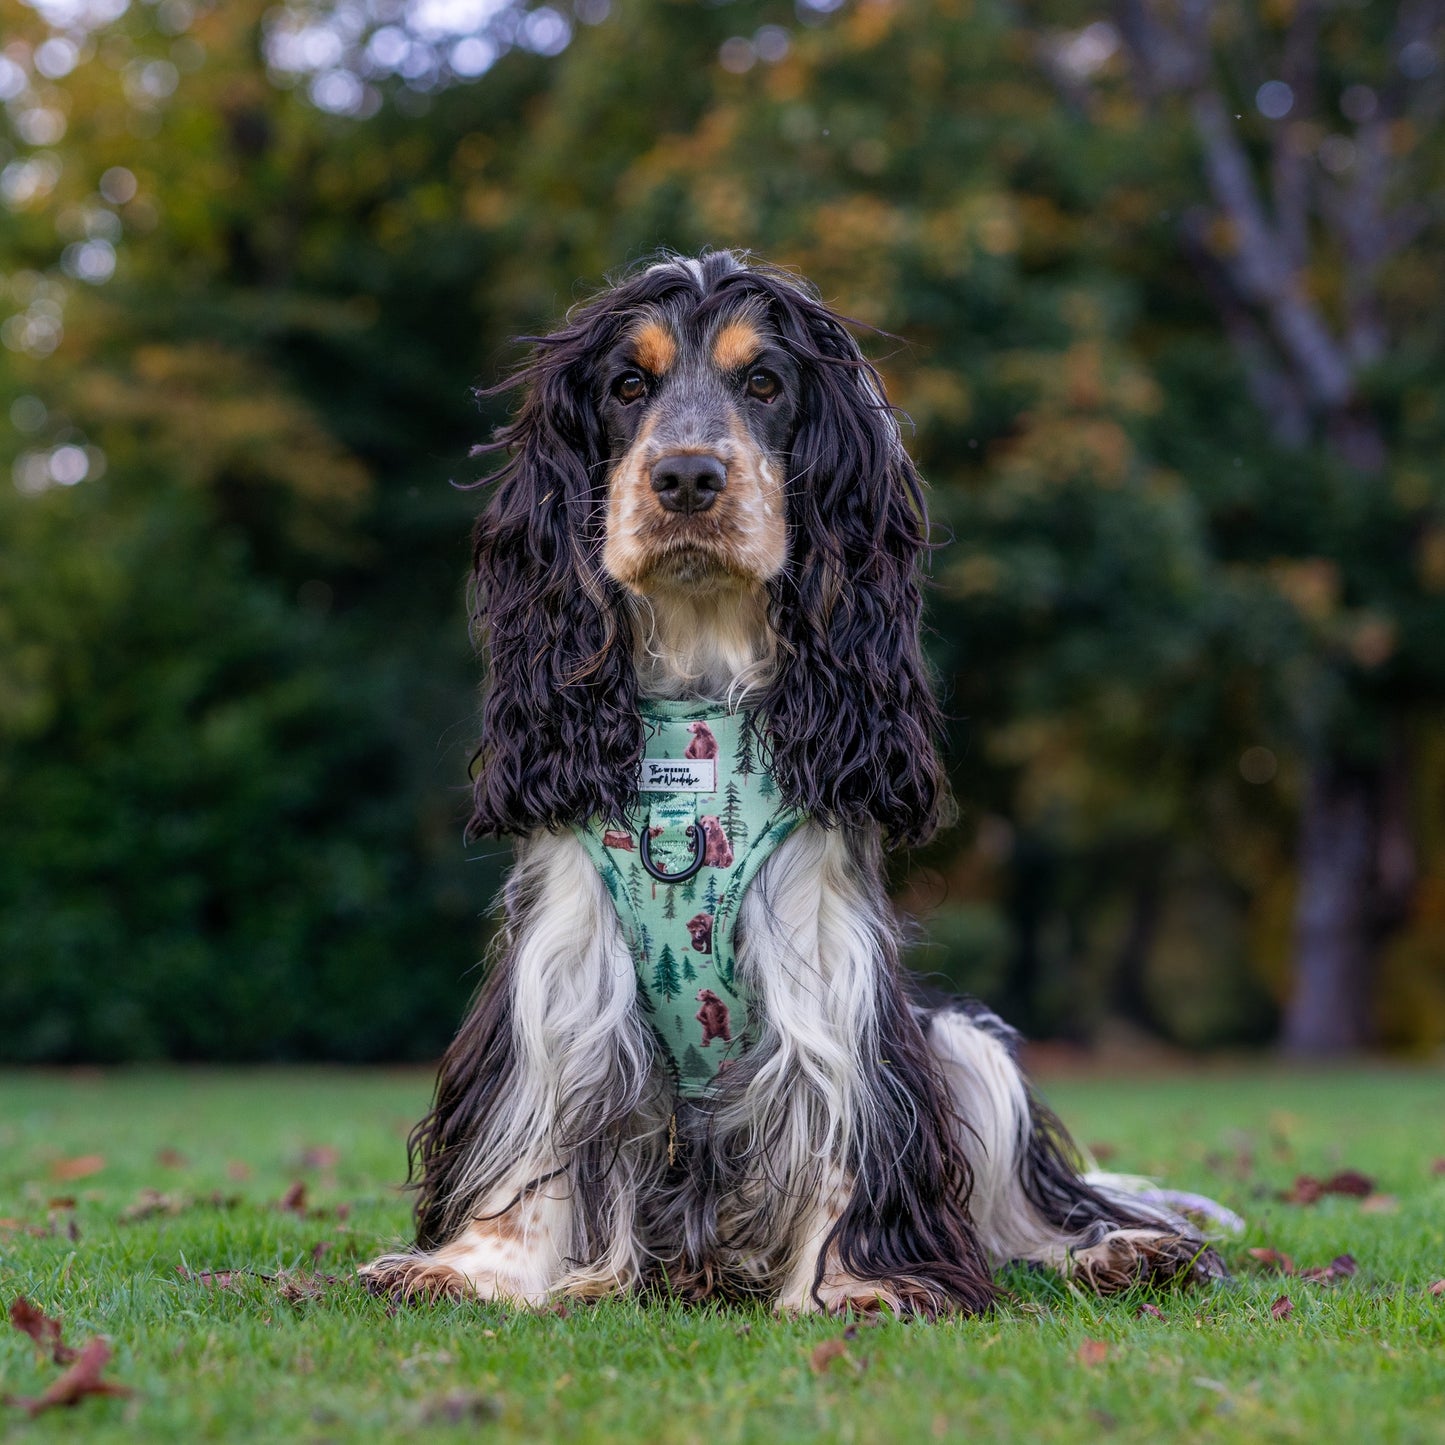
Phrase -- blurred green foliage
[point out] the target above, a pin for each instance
(235, 686)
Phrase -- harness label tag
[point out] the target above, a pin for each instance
(678, 775)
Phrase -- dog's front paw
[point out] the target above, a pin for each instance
(415, 1279)
(1129, 1257)
(424, 1278)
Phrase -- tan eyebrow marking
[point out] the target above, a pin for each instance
(737, 344)
(653, 348)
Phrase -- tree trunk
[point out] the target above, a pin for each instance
(1330, 999)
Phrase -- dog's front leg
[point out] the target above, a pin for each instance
(544, 1126)
(852, 1186)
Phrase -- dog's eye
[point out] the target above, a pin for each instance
(763, 385)
(629, 387)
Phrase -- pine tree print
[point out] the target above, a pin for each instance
(664, 976)
(693, 1065)
(743, 763)
(689, 890)
(669, 902)
(644, 943)
(634, 884)
(689, 973)
(732, 818)
(766, 787)
(710, 896)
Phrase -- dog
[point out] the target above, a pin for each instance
(705, 498)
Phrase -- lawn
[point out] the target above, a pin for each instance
(120, 1192)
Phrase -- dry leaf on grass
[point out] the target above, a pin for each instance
(1273, 1259)
(1438, 1167)
(1379, 1204)
(81, 1379)
(209, 1278)
(825, 1353)
(31, 1320)
(458, 1407)
(1438, 1288)
(320, 1156)
(296, 1287)
(1306, 1189)
(1342, 1266)
(80, 1167)
(1152, 1311)
(293, 1201)
(1093, 1352)
(169, 1158)
(1282, 1308)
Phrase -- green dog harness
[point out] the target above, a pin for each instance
(708, 818)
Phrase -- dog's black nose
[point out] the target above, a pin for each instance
(688, 481)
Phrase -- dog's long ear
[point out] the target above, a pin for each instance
(560, 730)
(851, 714)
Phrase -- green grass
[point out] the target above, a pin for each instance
(1361, 1359)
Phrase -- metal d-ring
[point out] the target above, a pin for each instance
(699, 852)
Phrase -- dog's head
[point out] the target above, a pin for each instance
(706, 435)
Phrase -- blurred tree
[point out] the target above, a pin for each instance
(1314, 133)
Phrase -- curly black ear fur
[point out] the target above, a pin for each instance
(561, 736)
(851, 714)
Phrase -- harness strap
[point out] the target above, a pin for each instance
(709, 817)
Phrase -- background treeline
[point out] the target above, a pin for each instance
(1169, 288)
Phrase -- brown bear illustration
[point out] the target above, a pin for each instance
(703, 744)
(713, 1016)
(717, 851)
(700, 926)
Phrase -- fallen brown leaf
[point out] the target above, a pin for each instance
(293, 1201)
(1351, 1182)
(151, 1202)
(1379, 1204)
(1093, 1352)
(1344, 1265)
(320, 1156)
(171, 1159)
(294, 1288)
(31, 1320)
(1438, 1167)
(60, 1201)
(1306, 1189)
(1153, 1312)
(80, 1167)
(1438, 1288)
(1282, 1308)
(1273, 1259)
(209, 1278)
(238, 1169)
(825, 1353)
(1103, 1152)
(460, 1406)
(81, 1379)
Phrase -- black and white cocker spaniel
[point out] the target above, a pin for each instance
(706, 500)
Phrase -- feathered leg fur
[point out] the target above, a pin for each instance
(548, 1123)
